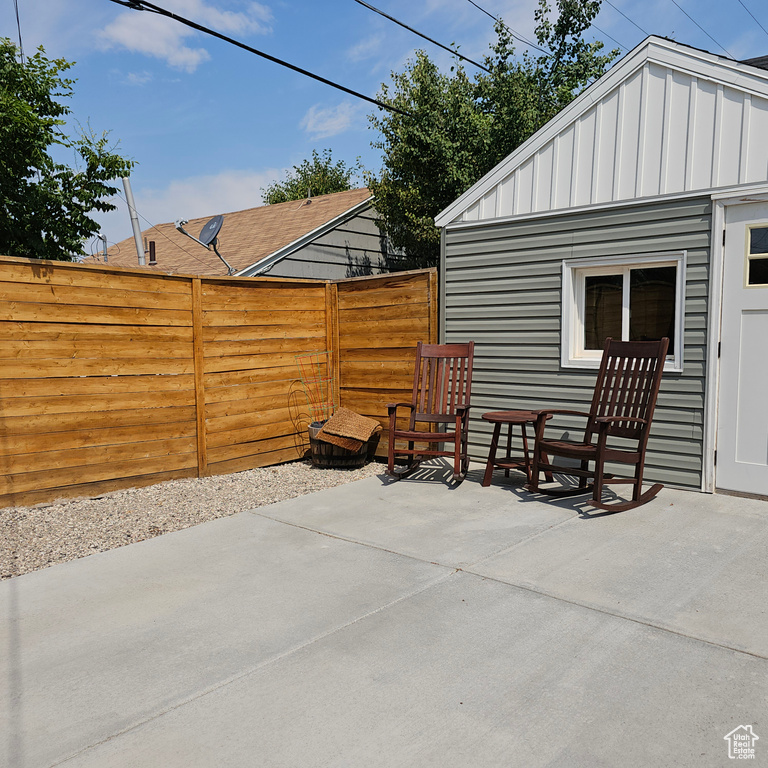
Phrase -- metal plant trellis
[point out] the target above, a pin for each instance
(315, 372)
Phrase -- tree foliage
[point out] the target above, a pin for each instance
(320, 176)
(457, 129)
(44, 204)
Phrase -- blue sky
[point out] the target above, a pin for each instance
(211, 125)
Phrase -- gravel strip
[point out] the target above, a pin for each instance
(36, 537)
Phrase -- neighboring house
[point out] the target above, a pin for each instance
(640, 210)
(329, 236)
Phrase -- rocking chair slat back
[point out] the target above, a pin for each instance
(627, 385)
(442, 380)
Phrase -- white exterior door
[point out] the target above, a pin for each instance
(742, 432)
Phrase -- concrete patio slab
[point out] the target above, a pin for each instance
(93, 646)
(692, 563)
(465, 673)
(412, 623)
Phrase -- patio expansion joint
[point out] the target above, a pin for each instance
(256, 668)
(510, 547)
(350, 540)
(468, 570)
(615, 614)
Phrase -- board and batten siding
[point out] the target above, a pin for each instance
(502, 289)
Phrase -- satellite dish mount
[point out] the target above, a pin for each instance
(208, 237)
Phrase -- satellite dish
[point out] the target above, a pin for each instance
(209, 232)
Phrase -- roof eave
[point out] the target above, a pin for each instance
(267, 262)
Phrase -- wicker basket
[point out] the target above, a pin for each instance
(328, 456)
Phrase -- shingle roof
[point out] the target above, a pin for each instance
(245, 238)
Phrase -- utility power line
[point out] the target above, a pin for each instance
(702, 29)
(143, 5)
(753, 16)
(416, 32)
(512, 32)
(18, 26)
(618, 10)
(605, 34)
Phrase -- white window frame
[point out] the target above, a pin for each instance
(572, 352)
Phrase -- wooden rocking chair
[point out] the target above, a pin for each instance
(442, 384)
(622, 406)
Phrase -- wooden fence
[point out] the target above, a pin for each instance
(113, 378)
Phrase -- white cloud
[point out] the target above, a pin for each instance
(189, 198)
(138, 78)
(322, 122)
(367, 48)
(164, 38)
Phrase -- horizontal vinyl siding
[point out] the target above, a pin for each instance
(352, 249)
(502, 290)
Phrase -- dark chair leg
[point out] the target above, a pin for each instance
(583, 480)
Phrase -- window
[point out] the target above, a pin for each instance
(757, 258)
(634, 298)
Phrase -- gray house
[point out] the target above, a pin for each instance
(641, 210)
(327, 237)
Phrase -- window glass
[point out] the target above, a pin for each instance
(652, 304)
(602, 309)
(758, 272)
(758, 240)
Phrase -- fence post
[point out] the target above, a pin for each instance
(332, 337)
(434, 331)
(197, 342)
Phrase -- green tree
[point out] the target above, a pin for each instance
(320, 176)
(457, 129)
(44, 204)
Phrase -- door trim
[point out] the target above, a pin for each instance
(714, 324)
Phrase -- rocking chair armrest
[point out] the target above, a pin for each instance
(394, 406)
(544, 415)
(462, 408)
(560, 412)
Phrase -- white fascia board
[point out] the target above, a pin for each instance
(724, 193)
(697, 63)
(267, 262)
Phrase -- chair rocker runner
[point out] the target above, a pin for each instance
(442, 385)
(622, 407)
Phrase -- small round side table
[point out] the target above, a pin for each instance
(510, 418)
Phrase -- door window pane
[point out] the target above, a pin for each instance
(758, 272)
(652, 304)
(602, 309)
(758, 240)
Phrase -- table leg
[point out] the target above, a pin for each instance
(491, 455)
(509, 447)
(526, 455)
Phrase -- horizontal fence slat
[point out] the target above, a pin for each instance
(84, 438)
(71, 350)
(93, 403)
(265, 459)
(33, 331)
(58, 459)
(62, 422)
(94, 385)
(78, 313)
(95, 489)
(40, 368)
(61, 273)
(108, 296)
(57, 478)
